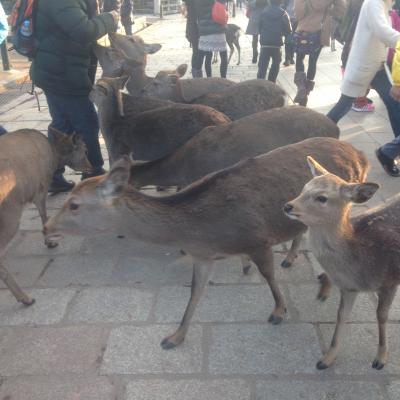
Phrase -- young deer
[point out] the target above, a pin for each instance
(359, 254)
(28, 161)
(235, 211)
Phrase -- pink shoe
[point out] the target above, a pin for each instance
(369, 107)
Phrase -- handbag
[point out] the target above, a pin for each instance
(219, 13)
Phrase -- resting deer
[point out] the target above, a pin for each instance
(234, 211)
(28, 161)
(359, 254)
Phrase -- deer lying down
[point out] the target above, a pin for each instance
(234, 211)
(218, 147)
(28, 161)
(359, 254)
(151, 134)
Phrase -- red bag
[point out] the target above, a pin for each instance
(219, 13)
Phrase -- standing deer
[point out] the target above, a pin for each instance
(234, 211)
(359, 254)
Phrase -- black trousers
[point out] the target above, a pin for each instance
(268, 53)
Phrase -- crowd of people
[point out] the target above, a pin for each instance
(368, 30)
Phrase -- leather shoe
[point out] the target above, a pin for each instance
(60, 186)
(95, 172)
(388, 164)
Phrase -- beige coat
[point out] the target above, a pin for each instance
(315, 15)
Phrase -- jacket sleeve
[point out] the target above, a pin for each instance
(299, 9)
(287, 27)
(73, 20)
(396, 66)
(379, 24)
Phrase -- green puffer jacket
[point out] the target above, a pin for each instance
(66, 36)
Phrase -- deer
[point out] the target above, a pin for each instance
(28, 161)
(234, 211)
(359, 254)
(150, 134)
(237, 101)
(221, 146)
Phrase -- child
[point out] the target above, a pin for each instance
(274, 24)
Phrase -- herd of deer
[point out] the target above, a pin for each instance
(240, 156)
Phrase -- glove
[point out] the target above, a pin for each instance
(115, 15)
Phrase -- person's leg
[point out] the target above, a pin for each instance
(341, 108)
(224, 63)
(276, 60)
(254, 44)
(207, 64)
(288, 53)
(312, 64)
(128, 28)
(300, 80)
(263, 62)
(196, 70)
(199, 63)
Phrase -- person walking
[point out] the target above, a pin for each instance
(3, 37)
(192, 35)
(289, 41)
(253, 12)
(126, 16)
(314, 27)
(211, 38)
(274, 24)
(66, 35)
(365, 68)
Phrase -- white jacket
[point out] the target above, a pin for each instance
(369, 47)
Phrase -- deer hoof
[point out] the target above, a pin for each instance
(286, 264)
(377, 364)
(51, 244)
(246, 269)
(28, 301)
(321, 296)
(168, 343)
(274, 319)
(321, 365)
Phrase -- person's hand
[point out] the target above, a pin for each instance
(115, 15)
(395, 92)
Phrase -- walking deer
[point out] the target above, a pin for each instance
(234, 211)
(28, 161)
(359, 254)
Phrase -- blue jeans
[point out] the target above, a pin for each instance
(382, 85)
(266, 54)
(71, 114)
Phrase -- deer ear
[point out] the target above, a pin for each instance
(57, 135)
(117, 178)
(181, 70)
(359, 192)
(316, 168)
(151, 48)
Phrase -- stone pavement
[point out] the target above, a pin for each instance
(104, 304)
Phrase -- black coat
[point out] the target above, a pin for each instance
(192, 29)
(274, 23)
(207, 26)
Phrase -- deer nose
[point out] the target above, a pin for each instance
(288, 208)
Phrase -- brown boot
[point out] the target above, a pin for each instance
(300, 81)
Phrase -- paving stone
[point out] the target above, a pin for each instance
(358, 348)
(221, 303)
(43, 351)
(49, 307)
(153, 270)
(137, 350)
(32, 244)
(42, 388)
(230, 271)
(221, 389)
(336, 390)
(26, 270)
(263, 349)
(111, 305)
(300, 271)
(394, 390)
(310, 309)
(79, 270)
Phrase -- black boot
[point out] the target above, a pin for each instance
(60, 185)
(255, 56)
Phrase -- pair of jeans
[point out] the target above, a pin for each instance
(71, 114)
(312, 63)
(382, 85)
(266, 54)
(207, 55)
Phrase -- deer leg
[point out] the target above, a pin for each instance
(325, 287)
(292, 255)
(238, 49)
(40, 203)
(385, 297)
(246, 263)
(231, 50)
(347, 299)
(264, 259)
(215, 57)
(18, 293)
(201, 272)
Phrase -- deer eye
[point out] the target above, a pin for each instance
(321, 199)
(73, 206)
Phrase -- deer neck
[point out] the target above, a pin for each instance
(138, 80)
(57, 160)
(177, 93)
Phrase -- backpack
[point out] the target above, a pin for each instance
(219, 13)
(22, 27)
